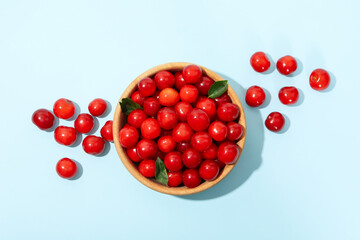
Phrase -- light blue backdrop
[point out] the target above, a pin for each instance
(302, 184)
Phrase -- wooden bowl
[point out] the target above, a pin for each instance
(120, 118)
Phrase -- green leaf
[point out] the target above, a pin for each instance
(128, 105)
(160, 172)
(217, 89)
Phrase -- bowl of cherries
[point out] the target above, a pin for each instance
(179, 128)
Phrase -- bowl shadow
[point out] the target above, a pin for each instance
(250, 159)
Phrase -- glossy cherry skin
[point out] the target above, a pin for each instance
(164, 79)
(168, 97)
(97, 107)
(65, 135)
(201, 141)
(319, 79)
(218, 131)
(132, 154)
(179, 80)
(147, 87)
(260, 62)
(209, 170)
(224, 98)
(151, 106)
(286, 65)
(198, 120)
(255, 96)
(228, 152)
(147, 168)
(167, 118)
(192, 74)
(166, 144)
(150, 128)
(182, 132)
(173, 161)
(138, 98)
(136, 118)
(64, 108)
(181, 147)
(207, 105)
(189, 93)
(288, 95)
(204, 85)
(210, 152)
(128, 136)
(191, 158)
(107, 131)
(182, 110)
(191, 178)
(275, 122)
(174, 178)
(147, 149)
(228, 112)
(235, 131)
(93, 145)
(66, 168)
(84, 123)
(43, 119)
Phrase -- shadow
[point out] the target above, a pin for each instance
(332, 82)
(300, 100)
(56, 124)
(107, 111)
(77, 112)
(299, 69)
(95, 128)
(78, 140)
(250, 158)
(79, 171)
(106, 150)
(286, 126)
(272, 65)
(267, 99)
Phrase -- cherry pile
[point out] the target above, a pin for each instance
(181, 128)
(255, 96)
(84, 124)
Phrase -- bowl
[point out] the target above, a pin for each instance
(120, 119)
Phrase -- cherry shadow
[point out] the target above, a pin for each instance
(272, 65)
(250, 159)
(108, 110)
(106, 150)
(332, 83)
(95, 128)
(77, 112)
(79, 171)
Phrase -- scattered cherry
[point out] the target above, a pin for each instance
(286, 65)
(84, 123)
(107, 131)
(93, 145)
(65, 135)
(66, 168)
(43, 119)
(260, 62)
(97, 107)
(288, 95)
(255, 96)
(319, 79)
(275, 122)
(64, 108)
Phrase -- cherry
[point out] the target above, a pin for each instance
(65, 135)
(84, 123)
(288, 95)
(138, 98)
(64, 108)
(189, 93)
(97, 107)
(147, 168)
(164, 79)
(168, 97)
(182, 132)
(191, 178)
(132, 154)
(66, 168)
(166, 144)
(147, 149)
(255, 96)
(228, 152)
(181, 147)
(191, 158)
(128, 136)
(275, 122)
(150, 128)
(161, 155)
(218, 130)
(260, 62)
(204, 85)
(107, 131)
(167, 118)
(207, 105)
(235, 131)
(209, 170)
(182, 110)
(43, 119)
(147, 87)
(198, 120)
(93, 145)
(174, 178)
(179, 81)
(192, 74)
(151, 106)
(173, 161)
(228, 112)
(286, 65)
(221, 164)
(199, 98)
(224, 98)
(319, 79)
(210, 152)
(201, 141)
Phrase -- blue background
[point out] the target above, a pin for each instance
(300, 184)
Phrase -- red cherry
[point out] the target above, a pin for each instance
(128, 136)
(43, 119)
(255, 96)
(161, 155)
(224, 98)
(107, 131)
(64, 108)
(228, 152)
(164, 79)
(147, 149)
(166, 144)
(288, 95)
(138, 98)
(204, 85)
(207, 105)
(286, 65)
(151, 106)
(93, 145)
(150, 128)
(66, 168)
(198, 120)
(191, 158)
(235, 131)
(147, 168)
(199, 98)
(174, 178)
(221, 164)
(191, 178)
(97, 107)
(192, 74)
(218, 131)
(182, 110)
(167, 118)
(181, 147)
(275, 122)
(260, 62)
(65, 135)
(182, 132)
(168, 97)
(132, 154)
(147, 87)
(173, 161)
(201, 141)
(179, 81)
(84, 123)
(319, 79)
(210, 152)
(228, 112)
(209, 170)
(189, 93)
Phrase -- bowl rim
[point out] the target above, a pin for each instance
(119, 120)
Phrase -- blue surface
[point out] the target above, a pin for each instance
(301, 184)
